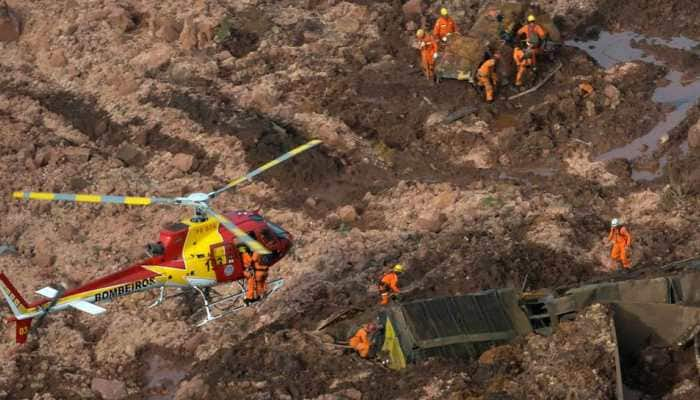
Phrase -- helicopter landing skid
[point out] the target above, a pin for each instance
(220, 306)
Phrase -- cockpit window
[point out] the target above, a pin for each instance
(279, 232)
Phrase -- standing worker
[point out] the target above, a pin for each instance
(444, 26)
(621, 240)
(428, 53)
(534, 36)
(256, 275)
(488, 78)
(389, 284)
(523, 59)
(361, 341)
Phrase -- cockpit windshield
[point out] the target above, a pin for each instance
(279, 232)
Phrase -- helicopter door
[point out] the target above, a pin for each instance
(227, 264)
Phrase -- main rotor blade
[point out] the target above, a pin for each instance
(93, 198)
(238, 232)
(249, 176)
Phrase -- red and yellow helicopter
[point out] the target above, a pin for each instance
(196, 253)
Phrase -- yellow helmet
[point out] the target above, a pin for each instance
(443, 12)
(420, 33)
(397, 268)
(530, 18)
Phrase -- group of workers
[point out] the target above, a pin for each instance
(361, 341)
(524, 56)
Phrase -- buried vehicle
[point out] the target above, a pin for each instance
(493, 31)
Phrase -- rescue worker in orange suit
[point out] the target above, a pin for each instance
(256, 276)
(523, 59)
(534, 36)
(389, 284)
(428, 53)
(621, 240)
(488, 77)
(444, 26)
(361, 341)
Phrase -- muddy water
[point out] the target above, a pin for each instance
(162, 376)
(613, 48)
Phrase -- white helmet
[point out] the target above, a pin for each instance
(615, 222)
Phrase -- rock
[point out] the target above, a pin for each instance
(347, 214)
(664, 138)
(130, 155)
(310, 202)
(120, 19)
(10, 26)
(109, 389)
(153, 59)
(192, 389)
(613, 96)
(165, 28)
(694, 136)
(431, 221)
(444, 200)
(183, 162)
(412, 9)
(77, 155)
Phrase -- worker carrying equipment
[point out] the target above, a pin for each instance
(428, 53)
(256, 275)
(621, 240)
(534, 35)
(389, 284)
(488, 78)
(361, 340)
(444, 26)
(523, 59)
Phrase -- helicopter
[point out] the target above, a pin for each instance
(196, 253)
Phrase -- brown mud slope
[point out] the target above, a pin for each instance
(140, 97)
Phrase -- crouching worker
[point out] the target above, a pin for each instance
(362, 340)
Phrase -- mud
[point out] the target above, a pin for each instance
(681, 89)
(513, 194)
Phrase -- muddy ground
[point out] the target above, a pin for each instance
(154, 98)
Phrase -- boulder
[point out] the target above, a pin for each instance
(121, 19)
(109, 389)
(183, 162)
(412, 9)
(431, 221)
(347, 214)
(694, 136)
(130, 155)
(153, 59)
(612, 95)
(10, 27)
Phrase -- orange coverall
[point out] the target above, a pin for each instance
(528, 31)
(256, 276)
(443, 26)
(360, 342)
(519, 56)
(428, 48)
(488, 78)
(621, 239)
(387, 285)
